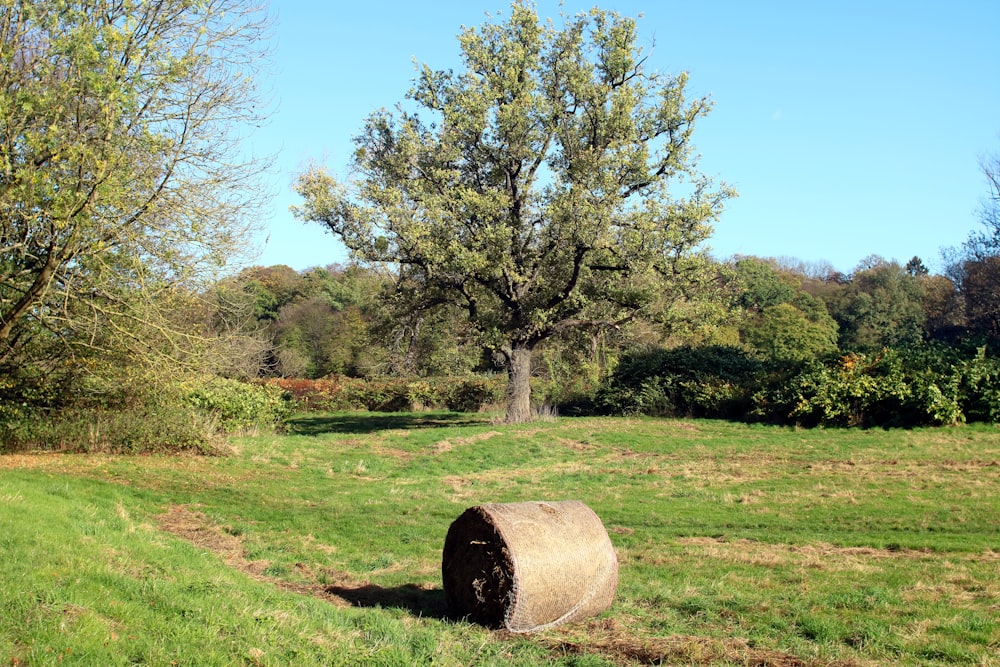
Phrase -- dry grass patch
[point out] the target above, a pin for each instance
(529, 475)
(195, 527)
(53, 461)
(449, 444)
(817, 556)
(154, 470)
(617, 640)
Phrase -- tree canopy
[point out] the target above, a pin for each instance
(548, 185)
(122, 175)
(975, 267)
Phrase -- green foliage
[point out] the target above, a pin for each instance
(321, 319)
(791, 371)
(926, 385)
(124, 192)
(121, 177)
(462, 394)
(137, 429)
(534, 188)
(138, 416)
(271, 287)
(760, 285)
(780, 320)
(943, 307)
(979, 387)
(348, 320)
(859, 390)
(881, 306)
(713, 381)
(132, 422)
(783, 332)
(932, 385)
(237, 406)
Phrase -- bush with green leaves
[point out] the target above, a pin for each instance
(128, 418)
(923, 385)
(928, 385)
(139, 428)
(391, 394)
(136, 414)
(979, 387)
(710, 381)
(857, 390)
(237, 406)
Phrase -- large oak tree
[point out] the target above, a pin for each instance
(549, 184)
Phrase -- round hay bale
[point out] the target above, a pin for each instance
(528, 566)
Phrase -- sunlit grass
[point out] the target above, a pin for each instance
(738, 544)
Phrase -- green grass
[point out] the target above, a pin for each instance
(737, 545)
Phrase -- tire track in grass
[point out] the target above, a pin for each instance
(195, 528)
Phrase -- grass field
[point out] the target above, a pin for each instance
(738, 545)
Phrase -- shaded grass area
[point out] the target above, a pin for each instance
(320, 424)
(738, 545)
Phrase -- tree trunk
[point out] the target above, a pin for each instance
(518, 386)
(29, 299)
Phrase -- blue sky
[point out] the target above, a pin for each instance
(849, 128)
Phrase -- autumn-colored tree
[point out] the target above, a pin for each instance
(975, 267)
(943, 308)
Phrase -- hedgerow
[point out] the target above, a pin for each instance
(920, 386)
(237, 406)
(335, 393)
(712, 381)
(135, 417)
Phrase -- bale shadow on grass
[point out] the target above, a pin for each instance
(370, 423)
(419, 601)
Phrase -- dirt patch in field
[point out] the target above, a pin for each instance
(574, 445)
(392, 452)
(442, 446)
(616, 641)
(194, 527)
(345, 591)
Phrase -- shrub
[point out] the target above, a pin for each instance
(338, 393)
(854, 390)
(473, 394)
(237, 406)
(927, 385)
(979, 387)
(711, 381)
(139, 427)
(139, 416)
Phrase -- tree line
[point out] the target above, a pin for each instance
(772, 339)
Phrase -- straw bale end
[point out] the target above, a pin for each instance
(528, 566)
